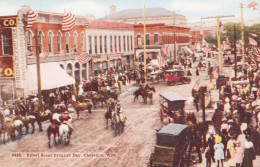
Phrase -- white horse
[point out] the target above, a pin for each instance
(18, 126)
(65, 133)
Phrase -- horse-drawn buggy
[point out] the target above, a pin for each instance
(176, 76)
(171, 104)
(171, 146)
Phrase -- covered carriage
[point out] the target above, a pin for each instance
(171, 145)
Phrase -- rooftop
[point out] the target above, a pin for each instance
(97, 24)
(138, 13)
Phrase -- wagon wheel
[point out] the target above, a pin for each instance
(168, 83)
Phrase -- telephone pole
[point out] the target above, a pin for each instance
(174, 35)
(242, 32)
(144, 46)
(218, 37)
(235, 51)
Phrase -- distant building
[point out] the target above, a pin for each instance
(153, 16)
(195, 33)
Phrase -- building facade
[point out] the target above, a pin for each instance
(18, 50)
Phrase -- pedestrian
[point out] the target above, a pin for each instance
(232, 151)
(219, 151)
(239, 154)
(249, 154)
(197, 71)
(208, 157)
(211, 143)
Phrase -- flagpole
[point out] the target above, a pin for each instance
(144, 44)
(242, 32)
(38, 71)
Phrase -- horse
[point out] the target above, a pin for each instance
(116, 123)
(111, 107)
(81, 106)
(64, 133)
(53, 129)
(7, 127)
(26, 121)
(148, 94)
(41, 117)
(137, 93)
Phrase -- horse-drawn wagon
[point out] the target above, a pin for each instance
(176, 76)
(170, 103)
(171, 145)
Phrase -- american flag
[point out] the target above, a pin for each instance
(29, 53)
(256, 53)
(215, 72)
(196, 87)
(32, 16)
(160, 60)
(69, 22)
(164, 49)
(44, 55)
(83, 58)
(252, 42)
(252, 5)
(63, 53)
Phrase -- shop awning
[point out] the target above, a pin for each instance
(52, 76)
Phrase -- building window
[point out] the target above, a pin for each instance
(124, 43)
(89, 44)
(111, 44)
(147, 39)
(7, 42)
(156, 39)
(115, 44)
(105, 44)
(127, 43)
(75, 42)
(131, 43)
(82, 40)
(29, 38)
(139, 40)
(67, 36)
(95, 44)
(40, 41)
(59, 42)
(100, 44)
(50, 42)
(83, 70)
(119, 44)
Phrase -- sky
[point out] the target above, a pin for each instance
(192, 9)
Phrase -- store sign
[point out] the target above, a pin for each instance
(7, 22)
(6, 67)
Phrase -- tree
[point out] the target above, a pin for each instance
(213, 39)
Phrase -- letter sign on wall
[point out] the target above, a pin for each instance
(8, 23)
(6, 67)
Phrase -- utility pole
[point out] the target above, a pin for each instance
(218, 37)
(235, 50)
(38, 70)
(174, 36)
(144, 46)
(201, 35)
(242, 32)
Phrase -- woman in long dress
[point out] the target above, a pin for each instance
(231, 148)
(219, 151)
(239, 154)
(248, 154)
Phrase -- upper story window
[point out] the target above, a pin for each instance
(139, 40)
(40, 41)
(95, 44)
(7, 42)
(147, 39)
(82, 40)
(124, 43)
(50, 42)
(75, 42)
(67, 36)
(156, 39)
(59, 42)
(100, 44)
(115, 44)
(127, 43)
(105, 44)
(29, 38)
(111, 44)
(89, 44)
(131, 43)
(119, 44)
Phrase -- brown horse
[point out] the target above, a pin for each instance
(6, 128)
(41, 117)
(27, 120)
(111, 107)
(53, 129)
(82, 106)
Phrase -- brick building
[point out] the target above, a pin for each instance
(62, 49)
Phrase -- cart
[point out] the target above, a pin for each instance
(171, 146)
(176, 76)
(170, 103)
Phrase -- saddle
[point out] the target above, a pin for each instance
(69, 125)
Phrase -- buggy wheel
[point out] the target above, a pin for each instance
(168, 83)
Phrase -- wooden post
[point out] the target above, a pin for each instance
(144, 46)
(174, 37)
(219, 46)
(242, 32)
(235, 50)
(38, 61)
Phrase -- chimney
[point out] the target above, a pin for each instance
(112, 10)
